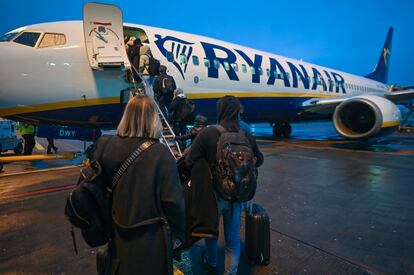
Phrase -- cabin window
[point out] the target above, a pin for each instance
(287, 76)
(195, 60)
(235, 67)
(183, 59)
(170, 56)
(244, 68)
(216, 64)
(226, 66)
(52, 39)
(207, 62)
(252, 70)
(28, 38)
(268, 72)
(260, 70)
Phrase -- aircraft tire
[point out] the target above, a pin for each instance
(286, 130)
(282, 130)
(277, 131)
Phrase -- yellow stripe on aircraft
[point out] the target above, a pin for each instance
(390, 123)
(114, 100)
(58, 105)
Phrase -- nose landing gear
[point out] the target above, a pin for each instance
(282, 130)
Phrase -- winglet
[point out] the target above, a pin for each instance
(380, 72)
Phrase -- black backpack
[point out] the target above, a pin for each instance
(167, 85)
(187, 111)
(235, 168)
(88, 206)
(154, 65)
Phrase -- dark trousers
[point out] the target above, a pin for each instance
(51, 145)
(29, 144)
(180, 128)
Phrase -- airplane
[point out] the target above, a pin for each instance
(73, 73)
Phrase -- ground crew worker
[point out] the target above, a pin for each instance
(28, 132)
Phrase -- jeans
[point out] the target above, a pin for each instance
(231, 234)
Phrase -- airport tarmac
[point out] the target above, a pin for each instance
(336, 207)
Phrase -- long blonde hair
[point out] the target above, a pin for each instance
(140, 119)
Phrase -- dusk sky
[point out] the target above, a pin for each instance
(344, 35)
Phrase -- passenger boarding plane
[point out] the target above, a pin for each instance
(72, 73)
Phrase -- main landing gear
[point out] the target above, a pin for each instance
(282, 130)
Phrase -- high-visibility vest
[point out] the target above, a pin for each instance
(27, 129)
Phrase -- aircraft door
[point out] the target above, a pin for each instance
(103, 32)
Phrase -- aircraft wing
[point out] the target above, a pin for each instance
(327, 105)
(322, 106)
(401, 97)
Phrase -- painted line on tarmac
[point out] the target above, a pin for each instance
(36, 192)
(40, 171)
(362, 266)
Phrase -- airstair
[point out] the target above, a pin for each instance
(168, 136)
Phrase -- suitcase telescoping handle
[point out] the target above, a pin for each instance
(249, 206)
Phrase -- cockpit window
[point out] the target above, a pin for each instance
(28, 38)
(52, 39)
(8, 36)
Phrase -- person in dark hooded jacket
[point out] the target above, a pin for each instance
(205, 147)
(148, 190)
(164, 86)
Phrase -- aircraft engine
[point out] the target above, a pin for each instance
(366, 116)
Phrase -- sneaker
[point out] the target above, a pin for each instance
(210, 268)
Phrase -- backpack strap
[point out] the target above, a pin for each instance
(145, 145)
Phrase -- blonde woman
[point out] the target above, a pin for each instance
(149, 189)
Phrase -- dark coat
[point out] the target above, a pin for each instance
(149, 188)
(204, 149)
(200, 203)
(175, 109)
(157, 87)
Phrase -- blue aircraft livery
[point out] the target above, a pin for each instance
(171, 46)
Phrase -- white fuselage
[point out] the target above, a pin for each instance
(57, 84)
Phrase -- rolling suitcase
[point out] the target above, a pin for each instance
(257, 235)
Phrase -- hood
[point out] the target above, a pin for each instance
(228, 109)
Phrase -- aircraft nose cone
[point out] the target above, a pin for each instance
(7, 74)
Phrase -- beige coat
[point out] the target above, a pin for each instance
(144, 53)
